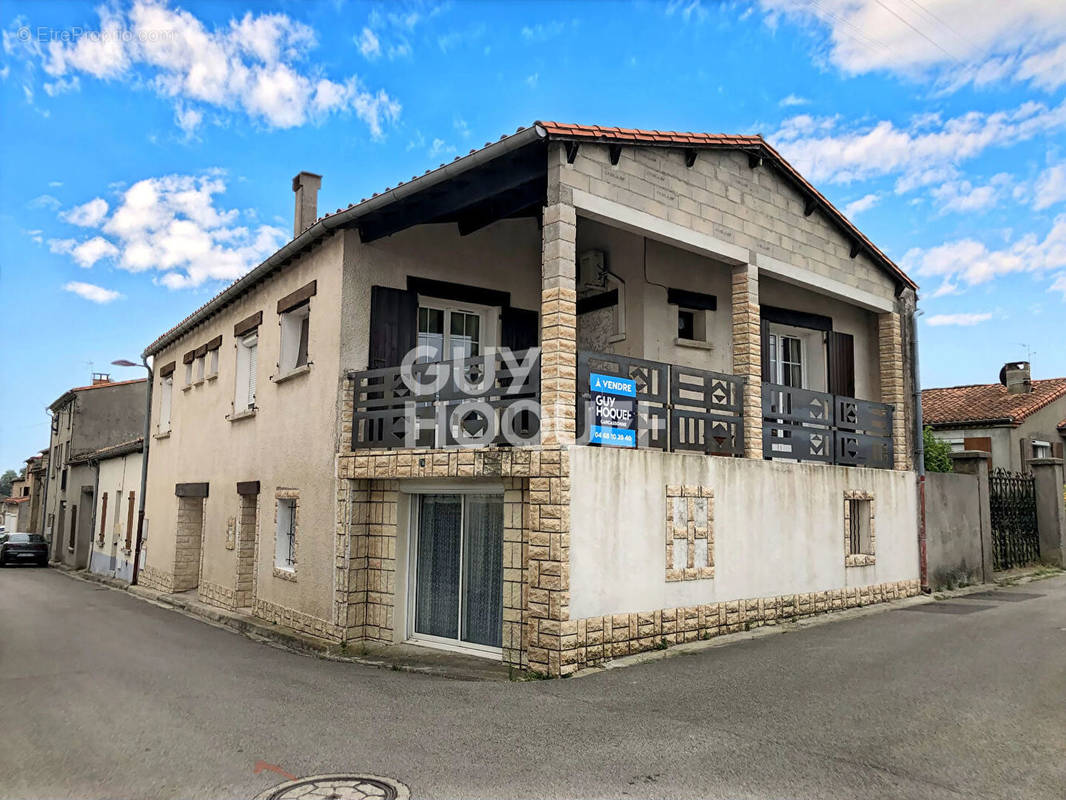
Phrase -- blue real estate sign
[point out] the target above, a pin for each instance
(614, 408)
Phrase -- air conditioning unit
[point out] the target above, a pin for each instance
(592, 270)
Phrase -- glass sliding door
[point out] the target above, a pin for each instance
(458, 566)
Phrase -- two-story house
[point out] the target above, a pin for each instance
(580, 393)
(84, 420)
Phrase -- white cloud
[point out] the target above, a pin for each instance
(541, 32)
(925, 151)
(86, 253)
(1050, 187)
(87, 215)
(973, 263)
(793, 100)
(1059, 284)
(173, 224)
(89, 291)
(964, 320)
(963, 196)
(864, 203)
(954, 42)
(256, 65)
(44, 201)
(531, 80)
(368, 43)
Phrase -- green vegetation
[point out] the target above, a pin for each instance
(937, 453)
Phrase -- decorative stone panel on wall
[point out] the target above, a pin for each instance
(859, 559)
(153, 578)
(297, 620)
(216, 594)
(689, 533)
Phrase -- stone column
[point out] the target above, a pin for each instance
(558, 320)
(890, 347)
(747, 353)
(1050, 514)
(979, 463)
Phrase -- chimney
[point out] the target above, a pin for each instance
(100, 378)
(1015, 376)
(305, 185)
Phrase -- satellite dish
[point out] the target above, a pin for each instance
(1003, 375)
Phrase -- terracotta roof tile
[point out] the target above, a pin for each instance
(961, 405)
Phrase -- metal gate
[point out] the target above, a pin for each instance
(1012, 502)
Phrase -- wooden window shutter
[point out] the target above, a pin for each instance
(393, 325)
(765, 350)
(519, 328)
(1056, 449)
(1026, 446)
(982, 443)
(103, 516)
(841, 352)
(129, 522)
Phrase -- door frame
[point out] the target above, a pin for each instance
(415, 489)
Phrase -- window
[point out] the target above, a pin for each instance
(63, 480)
(453, 333)
(244, 397)
(858, 529)
(200, 367)
(957, 445)
(1041, 449)
(188, 373)
(165, 403)
(295, 328)
(786, 360)
(285, 535)
(686, 324)
(212, 363)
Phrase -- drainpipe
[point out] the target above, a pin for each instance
(95, 466)
(144, 471)
(919, 452)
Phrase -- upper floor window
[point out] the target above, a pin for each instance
(295, 329)
(786, 360)
(165, 403)
(188, 372)
(212, 363)
(200, 364)
(1041, 449)
(244, 394)
(453, 332)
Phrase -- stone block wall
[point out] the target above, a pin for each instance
(187, 543)
(747, 353)
(890, 352)
(247, 550)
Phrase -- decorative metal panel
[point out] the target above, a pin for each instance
(652, 380)
(1012, 503)
(706, 411)
(805, 425)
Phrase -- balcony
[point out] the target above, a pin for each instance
(802, 425)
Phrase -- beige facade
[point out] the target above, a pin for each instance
(277, 512)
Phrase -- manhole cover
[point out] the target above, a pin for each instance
(338, 787)
(947, 608)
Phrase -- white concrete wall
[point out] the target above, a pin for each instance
(118, 477)
(778, 529)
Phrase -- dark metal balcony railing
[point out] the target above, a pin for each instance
(678, 408)
(444, 400)
(816, 426)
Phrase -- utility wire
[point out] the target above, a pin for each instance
(918, 31)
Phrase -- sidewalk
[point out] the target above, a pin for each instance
(459, 666)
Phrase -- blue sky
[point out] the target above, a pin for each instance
(149, 146)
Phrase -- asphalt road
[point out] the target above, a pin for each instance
(105, 695)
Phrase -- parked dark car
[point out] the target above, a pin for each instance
(23, 548)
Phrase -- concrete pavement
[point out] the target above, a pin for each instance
(105, 695)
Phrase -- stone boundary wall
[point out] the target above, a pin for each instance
(153, 578)
(215, 594)
(297, 620)
(599, 639)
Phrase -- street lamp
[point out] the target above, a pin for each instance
(122, 362)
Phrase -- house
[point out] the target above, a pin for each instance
(37, 477)
(1015, 420)
(114, 530)
(579, 393)
(17, 506)
(85, 420)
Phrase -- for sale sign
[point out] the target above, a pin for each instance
(614, 408)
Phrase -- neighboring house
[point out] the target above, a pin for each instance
(84, 420)
(12, 507)
(300, 474)
(1016, 420)
(115, 517)
(37, 476)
